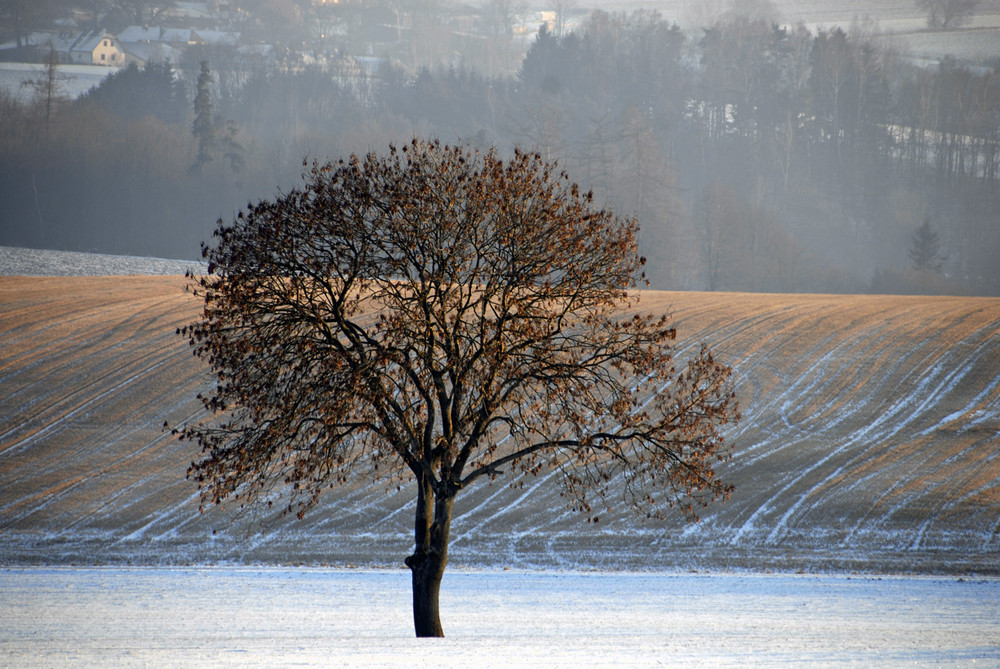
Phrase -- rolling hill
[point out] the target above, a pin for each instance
(870, 441)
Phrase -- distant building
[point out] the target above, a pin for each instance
(215, 37)
(142, 39)
(143, 53)
(81, 48)
(98, 48)
(176, 37)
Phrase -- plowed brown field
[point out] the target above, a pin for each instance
(870, 440)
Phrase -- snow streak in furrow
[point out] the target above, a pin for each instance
(86, 403)
(62, 458)
(895, 421)
(964, 357)
(871, 428)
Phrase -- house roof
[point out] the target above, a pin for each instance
(176, 35)
(138, 34)
(134, 34)
(154, 52)
(141, 34)
(89, 41)
(216, 37)
(69, 41)
(61, 41)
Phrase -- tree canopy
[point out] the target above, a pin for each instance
(925, 249)
(946, 14)
(445, 316)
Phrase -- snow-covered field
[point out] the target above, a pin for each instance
(870, 442)
(35, 262)
(315, 617)
(72, 82)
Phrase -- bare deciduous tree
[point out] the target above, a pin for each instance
(444, 316)
(945, 14)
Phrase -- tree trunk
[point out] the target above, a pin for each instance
(430, 556)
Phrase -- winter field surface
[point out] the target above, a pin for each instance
(73, 80)
(869, 446)
(870, 442)
(354, 618)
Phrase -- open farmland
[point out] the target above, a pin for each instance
(870, 441)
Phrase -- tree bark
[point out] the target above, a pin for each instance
(430, 556)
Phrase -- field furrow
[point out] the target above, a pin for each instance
(870, 440)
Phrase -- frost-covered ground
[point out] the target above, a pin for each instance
(870, 442)
(315, 617)
(72, 81)
(33, 262)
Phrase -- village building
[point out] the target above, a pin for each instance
(147, 44)
(98, 48)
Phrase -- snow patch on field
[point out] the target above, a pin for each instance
(33, 262)
(319, 618)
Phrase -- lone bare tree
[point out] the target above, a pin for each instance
(946, 14)
(444, 316)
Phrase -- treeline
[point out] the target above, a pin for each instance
(755, 157)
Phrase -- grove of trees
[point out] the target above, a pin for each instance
(755, 157)
(438, 316)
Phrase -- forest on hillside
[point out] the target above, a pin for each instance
(755, 157)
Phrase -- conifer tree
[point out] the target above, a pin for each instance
(203, 126)
(925, 248)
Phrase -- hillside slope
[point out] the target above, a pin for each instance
(870, 441)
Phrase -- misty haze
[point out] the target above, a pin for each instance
(763, 146)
